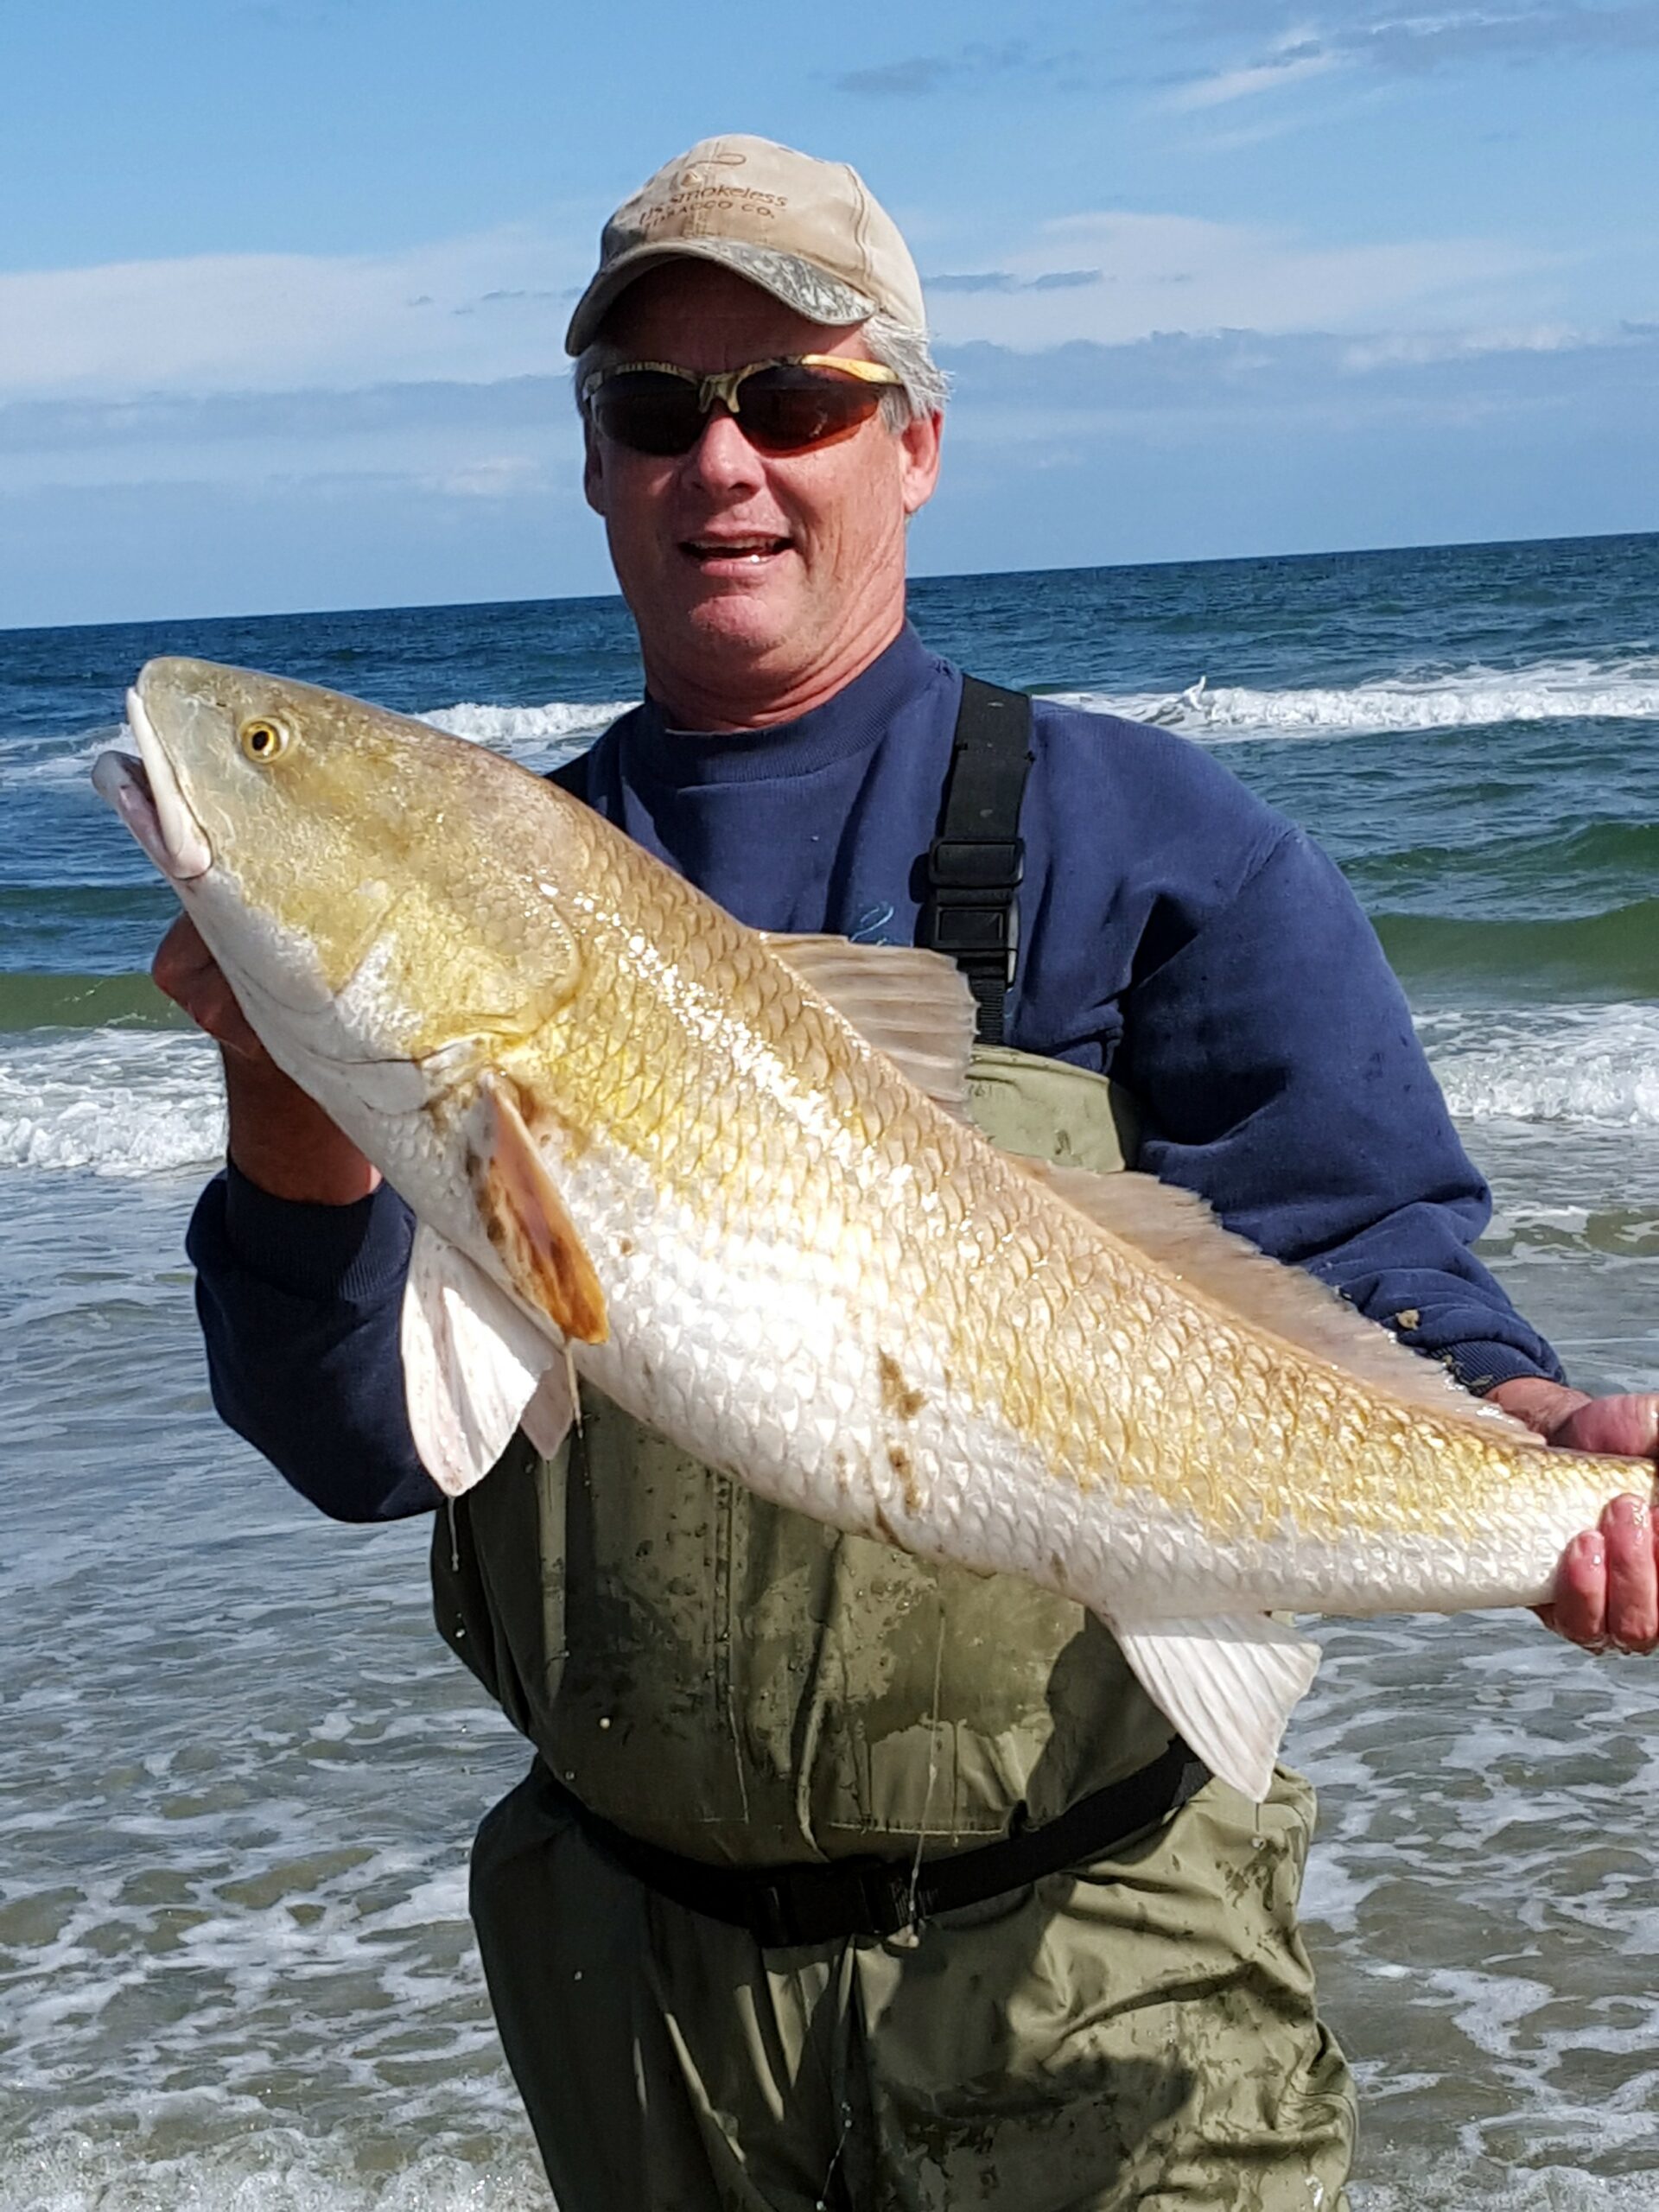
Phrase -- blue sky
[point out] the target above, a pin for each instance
(282, 284)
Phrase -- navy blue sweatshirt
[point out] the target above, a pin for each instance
(1175, 933)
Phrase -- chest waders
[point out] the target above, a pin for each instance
(730, 1919)
(734, 1684)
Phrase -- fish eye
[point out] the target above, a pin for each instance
(262, 739)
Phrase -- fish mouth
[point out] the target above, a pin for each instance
(145, 793)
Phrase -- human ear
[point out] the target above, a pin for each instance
(918, 459)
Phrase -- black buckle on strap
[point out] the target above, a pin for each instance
(976, 863)
(873, 1896)
(973, 914)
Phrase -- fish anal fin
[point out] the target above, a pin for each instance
(1227, 1683)
(526, 1221)
(1179, 1232)
(546, 1420)
(471, 1362)
(913, 1005)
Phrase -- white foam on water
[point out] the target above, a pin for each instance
(541, 736)
(1468, 699)
(60, 760)
(554, 730)
(276, 2170)
(122, 1102)
(1594, 1066)
(1426, 2184)
(110, 1102)
(1625, 689)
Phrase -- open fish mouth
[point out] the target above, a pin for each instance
(145, 793)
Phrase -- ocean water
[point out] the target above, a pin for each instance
(238, 1774)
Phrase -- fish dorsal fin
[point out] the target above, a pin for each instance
(472, 1362)
(1229, 1683)
(1178, 1230)
(526, 1221)
(913, 1005)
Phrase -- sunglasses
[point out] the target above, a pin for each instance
(783, 406)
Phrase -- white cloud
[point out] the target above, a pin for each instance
(1415, 349)
(470, 308)
(1296, 63)
(1181, 272)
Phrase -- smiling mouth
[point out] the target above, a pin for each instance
(711, 551)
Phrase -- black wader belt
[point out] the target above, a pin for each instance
(825, 1901)
(976, 863)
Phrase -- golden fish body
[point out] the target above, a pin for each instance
(631, 1126)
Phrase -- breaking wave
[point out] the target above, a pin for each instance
(1470, 698)
(1590, 1065)
(541, 733)
(1473, 698)
(110, 1102)
(140, 1101)
(554, 732)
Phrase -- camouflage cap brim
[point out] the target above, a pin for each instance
(802, 285)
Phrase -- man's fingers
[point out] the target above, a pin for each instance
(189, 975)
(1627, 1425)
(179, 959)
(1580, 1609)
(1633, 1580)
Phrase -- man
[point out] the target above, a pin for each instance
(839, 1879)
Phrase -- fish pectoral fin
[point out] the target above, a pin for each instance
(471, 1363)
(527, 1221)
(913, 1005)
(1228, 1682)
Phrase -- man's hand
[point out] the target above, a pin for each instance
(1607, 1586)
(279, 1138)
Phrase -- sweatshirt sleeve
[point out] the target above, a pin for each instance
(1273, 1055)
(300, 1307)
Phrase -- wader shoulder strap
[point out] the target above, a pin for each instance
(976, 863)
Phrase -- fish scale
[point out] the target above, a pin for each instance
(1091, 1370)
(759, 1236)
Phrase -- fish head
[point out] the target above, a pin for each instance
(343, 864)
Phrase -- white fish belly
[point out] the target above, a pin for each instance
(823, 1390)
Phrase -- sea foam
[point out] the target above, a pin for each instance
(559, 729)
(135, 1103)
(538, 735)
(268, 2169)
(1472, 698)
(1596, 1065)
(110, 1102)
(1568, 689)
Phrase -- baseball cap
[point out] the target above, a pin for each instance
(810, 232)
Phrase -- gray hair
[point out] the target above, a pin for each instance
(897, 346)
(900, 347)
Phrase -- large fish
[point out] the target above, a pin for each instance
(726, 1177)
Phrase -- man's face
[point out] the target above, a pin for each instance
(759, 582)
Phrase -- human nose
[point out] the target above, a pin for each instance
(722, 459)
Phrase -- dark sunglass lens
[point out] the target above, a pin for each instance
(787, 410)
(649, 412)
